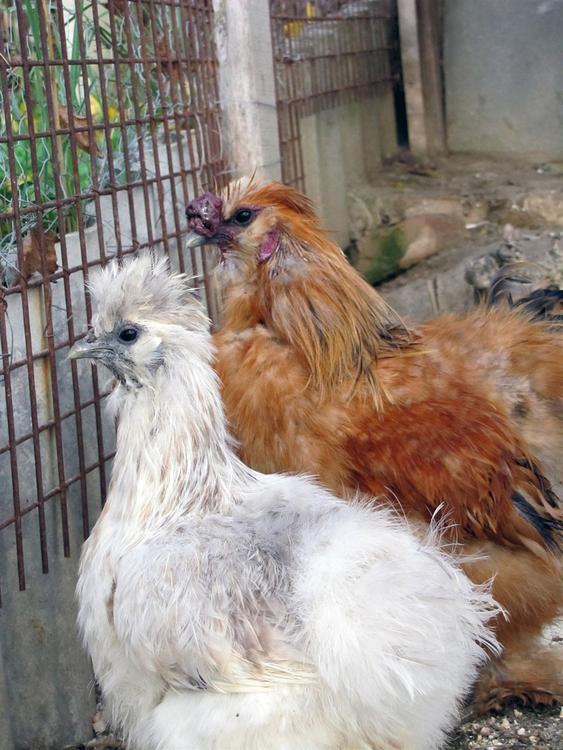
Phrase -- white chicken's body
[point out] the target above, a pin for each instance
(228, 610)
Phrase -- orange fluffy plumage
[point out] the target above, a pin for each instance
(321, 376)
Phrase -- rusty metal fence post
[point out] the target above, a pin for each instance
(109, 123)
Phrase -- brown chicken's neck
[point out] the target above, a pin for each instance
(319, 305)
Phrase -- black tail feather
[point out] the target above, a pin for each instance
(514, 285)
(544, 304)
(547, 524)
(550, 529)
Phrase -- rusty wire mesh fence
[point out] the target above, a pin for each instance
(326, 53)
(108, 126)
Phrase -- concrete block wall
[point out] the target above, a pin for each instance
(504, 77)
(246, 87)
(344, 147)
(46, 682)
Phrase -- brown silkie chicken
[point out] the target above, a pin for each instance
(321, 376)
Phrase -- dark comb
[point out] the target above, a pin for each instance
(205, 214)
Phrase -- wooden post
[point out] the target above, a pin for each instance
(246, 87)
(429, 19)
(419, 32)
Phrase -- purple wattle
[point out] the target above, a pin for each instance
(269, 245)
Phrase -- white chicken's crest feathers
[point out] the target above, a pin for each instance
(226, 608)
(144, 288)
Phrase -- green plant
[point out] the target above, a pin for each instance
(83, 165)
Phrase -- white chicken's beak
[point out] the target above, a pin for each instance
(194, 239)
(94, 347)
(87, 349)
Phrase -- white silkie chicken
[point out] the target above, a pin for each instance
(229, 610)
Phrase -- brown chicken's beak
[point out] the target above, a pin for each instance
(194, 239)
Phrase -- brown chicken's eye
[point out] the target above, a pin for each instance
(243, 216)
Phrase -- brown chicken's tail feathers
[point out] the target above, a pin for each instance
(539, 505)
(516, 284)
(544, 304)
(549, 528)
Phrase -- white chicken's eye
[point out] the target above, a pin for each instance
(128, 335)
(243, 216)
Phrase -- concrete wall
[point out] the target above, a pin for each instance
(46, 696)
(46, 683)
(344, 147)
(246, 87)
(504, 76)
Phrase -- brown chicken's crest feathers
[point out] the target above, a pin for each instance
(274, 194)
(291, 213)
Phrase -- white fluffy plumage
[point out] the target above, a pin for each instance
(229, 610)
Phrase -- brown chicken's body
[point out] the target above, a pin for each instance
(320, 376)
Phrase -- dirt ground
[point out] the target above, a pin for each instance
(541, 729)
(511, 211)
(517, 726)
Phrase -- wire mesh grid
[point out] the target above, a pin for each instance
(108, 127)
(326, 53)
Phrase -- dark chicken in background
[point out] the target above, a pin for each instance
(321, 376)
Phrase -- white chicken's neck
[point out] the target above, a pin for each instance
(173, 451)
